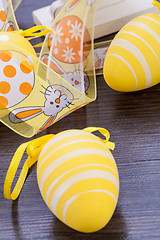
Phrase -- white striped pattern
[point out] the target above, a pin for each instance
(79, 177)
(140, 38)
(129, 66)
(71, 170)
(70, 201)
(68, 156)
(68, 144)
(63, 136)
(138, 54)
(146, 28)
(149, 18)
(136, 49)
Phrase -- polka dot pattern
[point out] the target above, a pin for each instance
(5, 87)
(16, 78)
(3, 13)
(5, 56)
(3, 102)
(4, 38)
(26, 67)
(25, 88)
(3, 16)
(9, 71)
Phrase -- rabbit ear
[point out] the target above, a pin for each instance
(24, 114)
(97, 64)
(47, 123)
(72, 5)
(49, 61)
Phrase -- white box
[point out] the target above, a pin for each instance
(111, 15)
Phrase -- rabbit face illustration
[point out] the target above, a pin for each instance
(77, 79)
(55, 101)
(57, 98)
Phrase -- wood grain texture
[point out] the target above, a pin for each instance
(133, 120)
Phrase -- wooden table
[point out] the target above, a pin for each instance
(133, 120)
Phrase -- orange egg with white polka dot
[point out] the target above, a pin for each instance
(65, 40)
(16, 69)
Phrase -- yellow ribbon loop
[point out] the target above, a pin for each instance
(34, 32)
(35, 146)
(33, 149)
(105, 133)
(156, 4)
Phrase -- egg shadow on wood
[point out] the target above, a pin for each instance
(115, 230)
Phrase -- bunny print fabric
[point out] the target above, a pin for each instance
(75, 78)
(37, 92)
(57, 98)
(69, 50)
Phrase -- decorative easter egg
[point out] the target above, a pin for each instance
(65, 40)
(78, 179)
(3, 13)
(16, 69)
(133, 60)
(13, 41)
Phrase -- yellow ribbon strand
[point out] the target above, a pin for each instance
(33, 149)
(105, 133)
(12, 172)
(41, 44)
(156, 4)
(34, 32)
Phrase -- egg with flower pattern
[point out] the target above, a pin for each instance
(65, 40)
(78, 179)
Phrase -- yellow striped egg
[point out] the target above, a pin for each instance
(78, 179)
(133, 60)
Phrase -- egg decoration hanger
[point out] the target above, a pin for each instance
(57, 83)
(77, 176)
